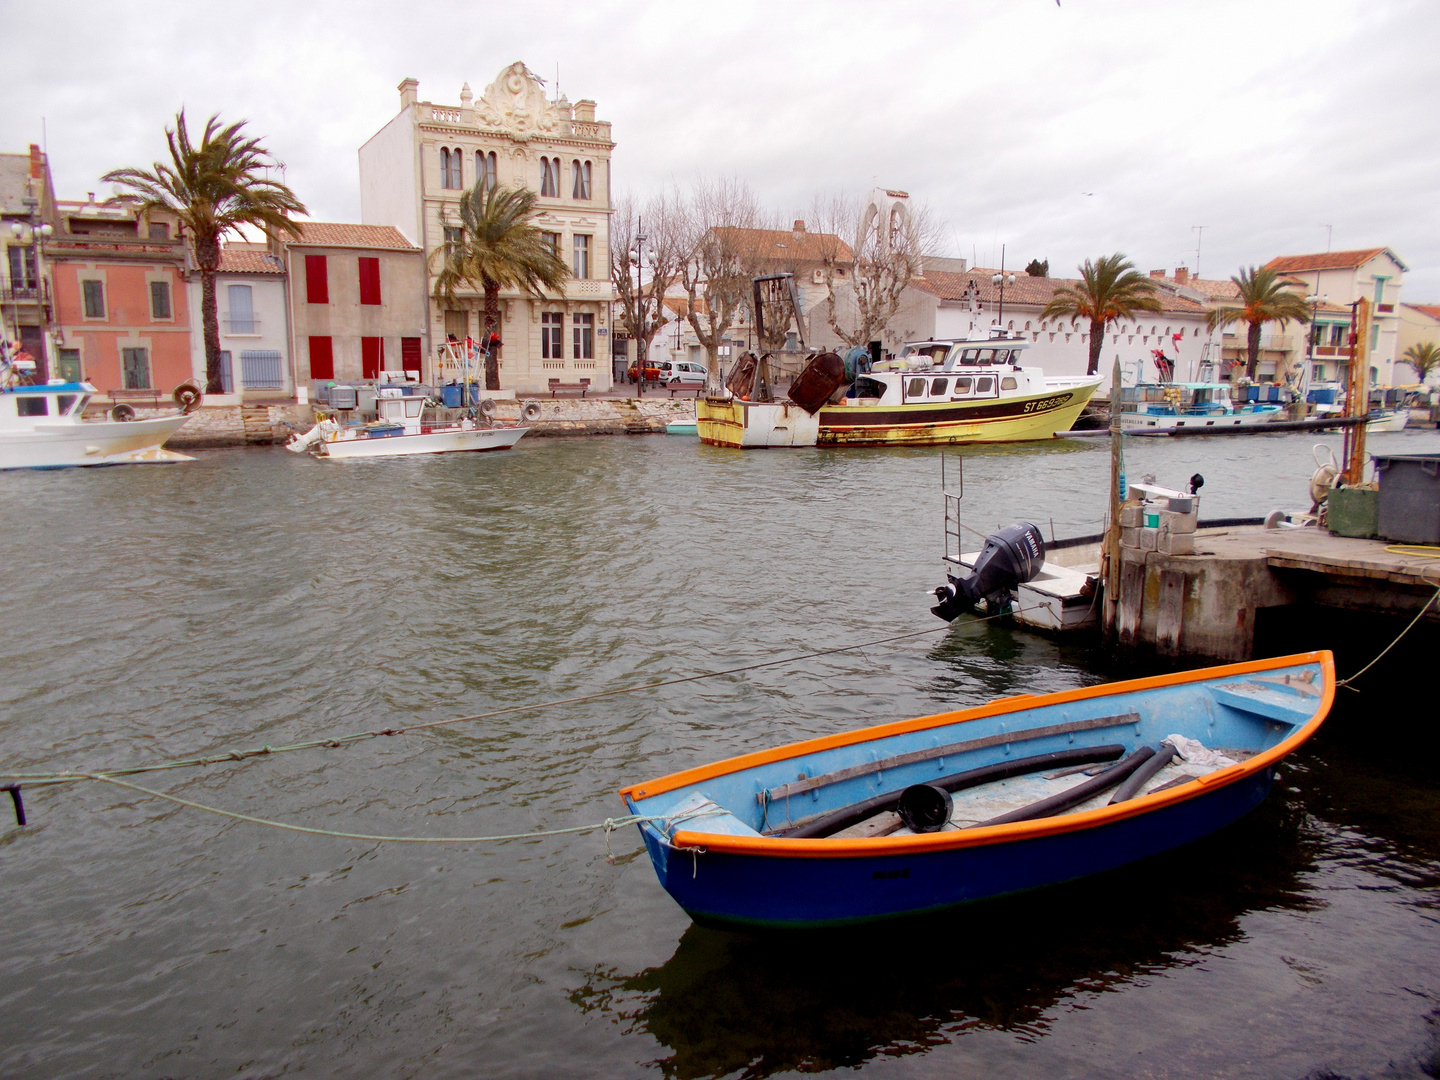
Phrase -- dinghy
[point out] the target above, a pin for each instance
(1029, 791)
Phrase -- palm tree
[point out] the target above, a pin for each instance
(1109, 288)
(1424, 358)
(497, 248)
(213, 188)
(1263, 298)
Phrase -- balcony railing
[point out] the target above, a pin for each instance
(242, 324)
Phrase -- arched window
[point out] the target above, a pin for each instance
(485, 169)
(580, 171)
(451, 173)
(444, 167)
(550, 177)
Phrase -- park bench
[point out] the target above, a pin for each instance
(557, 387)
(680, 388)
(150, 399)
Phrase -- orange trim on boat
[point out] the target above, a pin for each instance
(995, 834)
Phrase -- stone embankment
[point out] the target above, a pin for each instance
(260, 425)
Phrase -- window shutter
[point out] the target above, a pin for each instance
(369, 280)
(317, 280)
(322, 358)
(372, 357)
(410, 353)
(159, 299)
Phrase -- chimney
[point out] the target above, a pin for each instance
(799, 228)
(1157, 273)
(1182, 275)
(585, 110)
(37, 163)
(408, 88)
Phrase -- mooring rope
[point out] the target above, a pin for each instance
(1424, 608)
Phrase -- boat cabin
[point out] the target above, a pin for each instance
(23, 407)
(394, 406)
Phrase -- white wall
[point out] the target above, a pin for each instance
(267, 298)
(389, 178)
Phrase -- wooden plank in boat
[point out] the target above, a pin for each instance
(811, 783)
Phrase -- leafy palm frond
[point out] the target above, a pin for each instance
(1424, 358)
(213, 188)
(1109, 288)
(1264, 297)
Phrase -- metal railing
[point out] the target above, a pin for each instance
(242, 324)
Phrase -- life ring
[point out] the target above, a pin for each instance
(530, 412)
(122, 413)
(487, 407)
(188, 396)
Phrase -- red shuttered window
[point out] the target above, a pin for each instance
(372, 357)
(410, 354)
(322, 358)
(369, 281)
(317, 280)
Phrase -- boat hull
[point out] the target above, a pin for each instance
(1025, 418)
(723, 889)
(437, 442)
(1266, 414)
(89, 442)
(1388, 421)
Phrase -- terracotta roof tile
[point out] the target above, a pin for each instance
(1327, 260)
(1027, 290)
(1433, 310)
(785, 245)
(345, 234)
(249, 262)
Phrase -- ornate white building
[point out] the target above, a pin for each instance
(414, 170)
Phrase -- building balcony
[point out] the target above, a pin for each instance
(241, 326)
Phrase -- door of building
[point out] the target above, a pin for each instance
(410, 355)
(69, 365)
(34, 343)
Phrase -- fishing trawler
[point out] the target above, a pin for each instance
(936, 392)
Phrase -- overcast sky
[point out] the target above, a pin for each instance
(1061, 131)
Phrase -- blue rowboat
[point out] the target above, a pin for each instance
(1024, 792)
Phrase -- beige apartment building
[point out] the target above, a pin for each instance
(415, 169)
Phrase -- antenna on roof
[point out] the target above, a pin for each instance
(1329, 229)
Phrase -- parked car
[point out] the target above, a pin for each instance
(687, 373)
(652, 373)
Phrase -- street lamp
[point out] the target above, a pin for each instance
(1002, 280)
(31, 233)
(639, 307)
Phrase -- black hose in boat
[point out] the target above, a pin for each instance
(1058, 804)
(1164, 754)
(846, 816)
(925, 808)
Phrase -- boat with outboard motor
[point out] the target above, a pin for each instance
(936, 392)
(400, 430)
(1170, 405)
(44, 427)
(926, 814)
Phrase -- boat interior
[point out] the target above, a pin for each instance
(1064, 753)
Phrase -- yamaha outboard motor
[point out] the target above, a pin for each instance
(1011, 557)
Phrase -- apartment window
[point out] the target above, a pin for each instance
(261, 369)
(369, 280)
(580, 186)
(1337, 334)
(135, 369)
(583, 327)
(241, 319)
(322, 358)
(158, 230)
(22, 267)
(160, 300)
(1379, 290)
(485, 170)
(451, 172)
(550, 177)
(317, 280)
(551, 335)
(457, 324)
(1319, 372)
(582, 256)
(552, 241)
(372, 357)
(94, 293)
(454, 235)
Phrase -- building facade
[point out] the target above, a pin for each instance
(414, 171)
(251, 300)
(121, 317)
(27, 208)
(356, 302)
(1419, 325)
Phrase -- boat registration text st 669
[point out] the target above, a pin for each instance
(1046, 403)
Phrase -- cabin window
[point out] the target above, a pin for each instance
(962, 386)
(968, 356)
(63, 403)
(32, 406)
(985, 384)
(869, 388)
(937, 387)
(916, 388)
(1008, 383)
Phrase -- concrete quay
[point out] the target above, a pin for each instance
(1205, 604)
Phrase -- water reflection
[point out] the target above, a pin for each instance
(752, 1006)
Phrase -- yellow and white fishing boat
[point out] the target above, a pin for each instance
(938, 392)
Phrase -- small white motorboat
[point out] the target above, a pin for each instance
(1167, 406)
(1387, 420)
(400, 430)
(42, 427)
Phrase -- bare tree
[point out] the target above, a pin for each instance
(865, 284)
(641, 295)
(720, 260)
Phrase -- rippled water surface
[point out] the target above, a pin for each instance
(255, 598)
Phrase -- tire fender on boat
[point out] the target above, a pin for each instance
(530, 411)
(122, 413)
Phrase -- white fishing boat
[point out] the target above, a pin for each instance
(937, 392)
(1387, 420)
(43, 427)
(1166, 406)
(401, 430)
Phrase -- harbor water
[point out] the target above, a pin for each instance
(255, 598)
